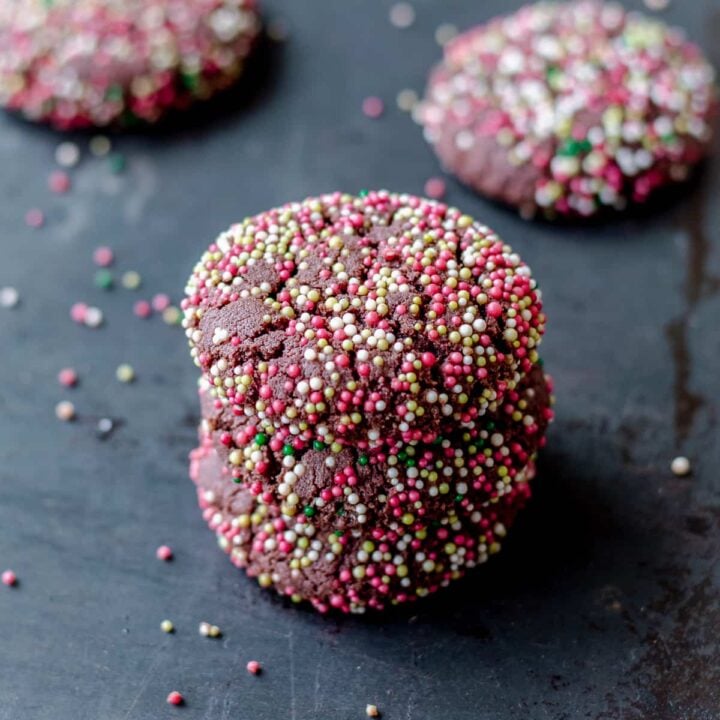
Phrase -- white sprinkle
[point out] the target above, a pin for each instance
(65, 411)
(680, 466)
(402, 15)
(372, 711)
(93, 317)
(9, 297)
(67, 154)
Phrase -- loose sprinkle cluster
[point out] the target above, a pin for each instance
(567, 109)
(82, 63)
(371, 392)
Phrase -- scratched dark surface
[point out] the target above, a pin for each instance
(604, 604)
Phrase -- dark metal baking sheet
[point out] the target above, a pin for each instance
(604, 603)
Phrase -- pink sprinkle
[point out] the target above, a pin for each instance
(78, 312)
(9, 578)
(59, 181)
(435, 188)
(67, 377)
(175, 698)
(142, 309)
(373, 107)
(103, 256)
(494, 309)
(164, 553)
(254, 667)
(35, 218)
(160, 302)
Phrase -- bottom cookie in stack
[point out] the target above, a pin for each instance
(351, 529)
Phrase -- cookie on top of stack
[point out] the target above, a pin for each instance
(371, 392)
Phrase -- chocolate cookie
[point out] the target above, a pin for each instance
(567, 109)
(371, 396)
(347, 319)
(83, 63)
(351, 529)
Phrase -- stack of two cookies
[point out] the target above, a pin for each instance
(371, 395)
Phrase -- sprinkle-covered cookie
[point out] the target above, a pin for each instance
(352, 529)
(371, 395)
(344, 319)
(83, 63)
(567, 109)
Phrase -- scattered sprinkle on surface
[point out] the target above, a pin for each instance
(373, 107)
(142, 309)
(131, 280)
(100, 145)
(402, 15)
(125, 373)
(167, 626)
(372, 711)
(680, 466)
(67, 377)
(254, 667)
(9, 578)
(35, 218)
(65, 411)
(175, 698)
(407, 99)
(9, 297)
(59, 182)
(67, 154)
(94, 317)
(103, 256)
(104, 279)
(164, 552)
(435, 188)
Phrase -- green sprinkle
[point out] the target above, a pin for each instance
(261, 439)
(411, 462)
(363, 193)
(490, 425)
(309, 511)
(114, 93)
(402, 456)
(288, 450)
(318, 445)
(117, 163)
(458, 498)
(237, 480)
(338, 533)
(104, 279)
(573, 148)
(363, 460)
